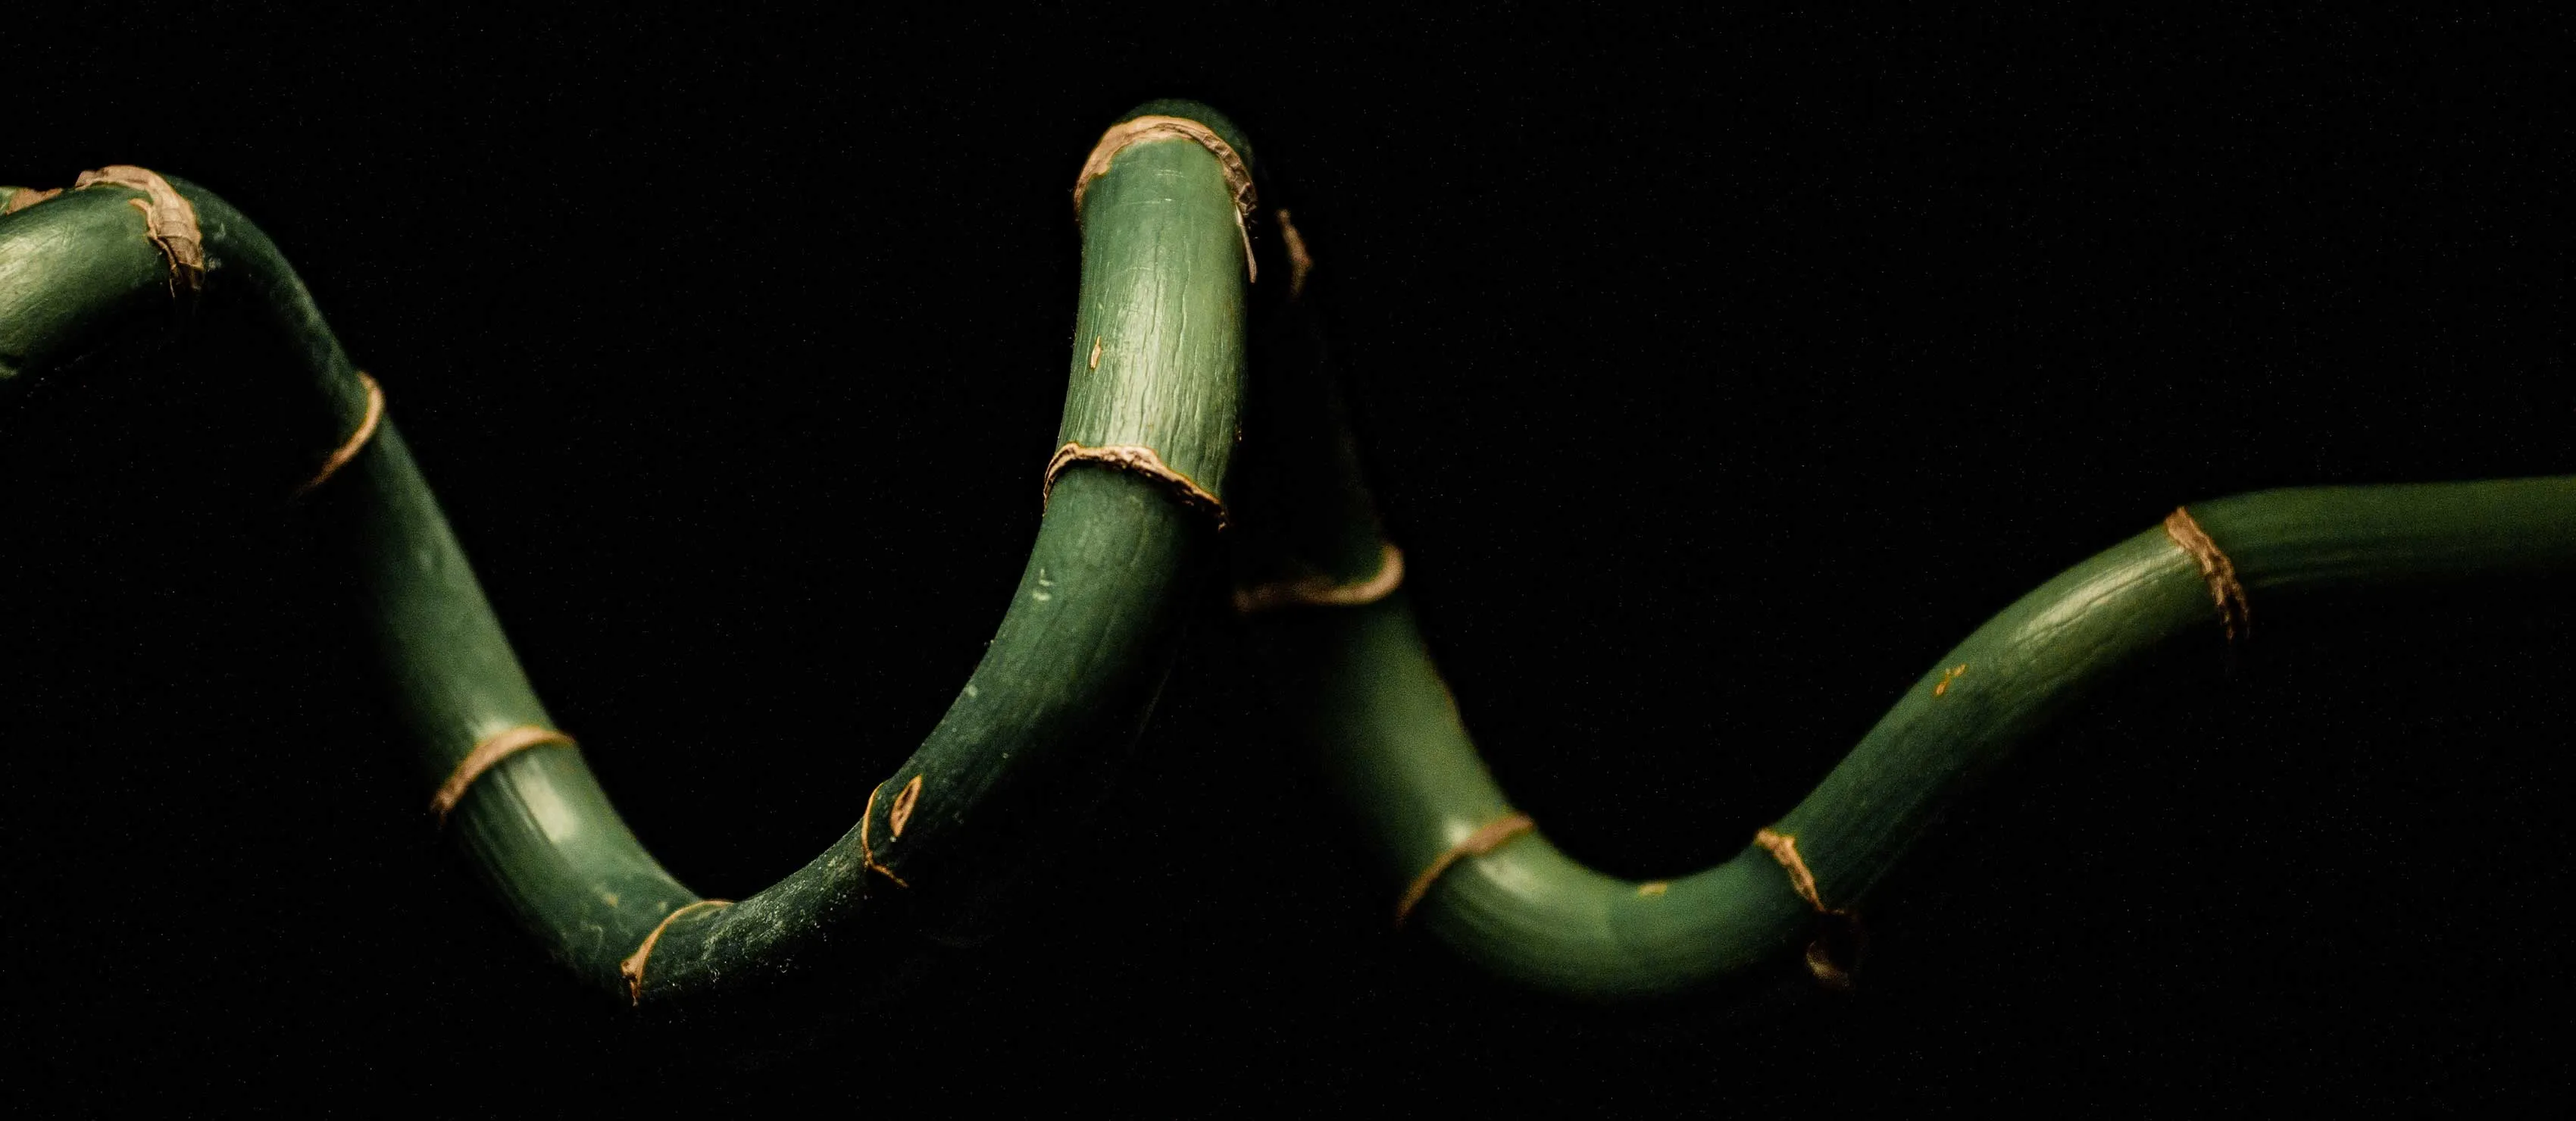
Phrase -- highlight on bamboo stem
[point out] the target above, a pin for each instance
(1128, 535)
(1138, 486)
(1320, 588)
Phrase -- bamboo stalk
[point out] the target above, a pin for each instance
(1134, 498)
(1348, 664)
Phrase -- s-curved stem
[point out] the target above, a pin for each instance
(1353, 672)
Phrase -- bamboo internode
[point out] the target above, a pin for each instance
(1154, 407)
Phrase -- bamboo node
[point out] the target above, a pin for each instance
(357, 440)
(1322, 591)
(904, 802)
(1822, 960)
(169, 220)
(26, 197)
(2234, 613)
(633, 967)
(867, 852)
(1238, 178)
(1135, 460)
(494, 748)
(1485, 839)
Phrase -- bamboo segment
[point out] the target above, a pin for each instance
(1354, 673)
(1068, 679)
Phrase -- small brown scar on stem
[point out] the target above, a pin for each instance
(903, 804)
(1300, 262)
(2234, 613)
(1135, 460)
(1784, 848)
(868, 854)
(357, 440)
(1947, 676)
(169, 220)
(1321, 591)
(494, 748)
(1238, 178)
(26, 197)
(1651, 890)
(633, 967)
(1484, 840)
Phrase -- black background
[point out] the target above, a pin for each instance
(1718, 377)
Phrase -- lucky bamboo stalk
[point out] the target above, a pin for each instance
(1134, 497)
(1348, 663)
(1135, 487)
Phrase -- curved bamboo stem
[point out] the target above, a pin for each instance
(1354, 672)
(1069, 677)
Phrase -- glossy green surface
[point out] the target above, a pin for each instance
(1068, 680)
(1158, 360)
(1362, 685)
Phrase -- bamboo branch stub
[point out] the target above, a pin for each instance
(2234, 613)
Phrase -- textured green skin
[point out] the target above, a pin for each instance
(1074, 668)
(1365, 689)
(1069, 678)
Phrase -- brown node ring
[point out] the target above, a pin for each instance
(633, 967)
(357, 440)
(169, 220)
(1321, 591)
(1135, 460)
(1820, 954)
(494, 748)
(26, 197)
(1140, 130)
(1484, 840)
(2234, 613)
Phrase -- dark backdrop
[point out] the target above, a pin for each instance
(1718, 377)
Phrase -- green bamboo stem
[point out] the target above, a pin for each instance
(1360, 683)
(1068, 680)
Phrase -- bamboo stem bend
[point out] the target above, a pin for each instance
(1142, 479)
(1354, 673)
(1068, 679)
